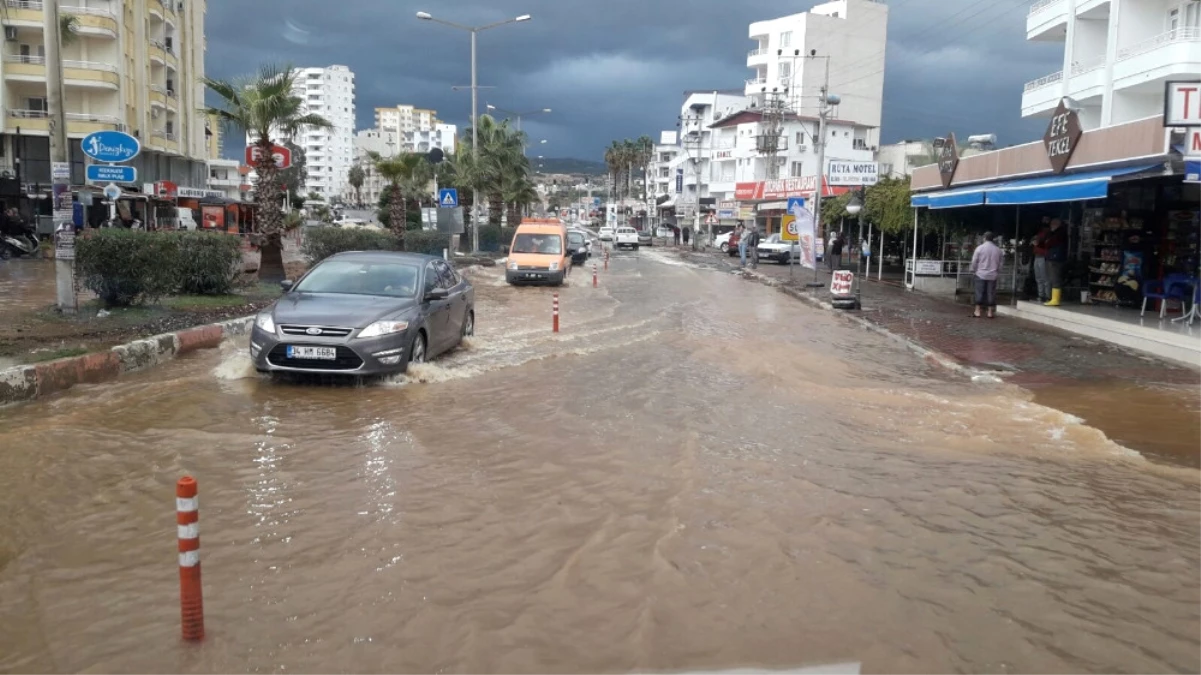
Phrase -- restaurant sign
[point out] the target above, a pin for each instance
(948, 160)
(1062, 137)
(780, 188)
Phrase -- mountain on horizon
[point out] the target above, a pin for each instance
(570, 165)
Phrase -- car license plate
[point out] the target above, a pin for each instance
(532, 275)
(322, 353)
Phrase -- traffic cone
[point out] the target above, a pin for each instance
(1056, 294)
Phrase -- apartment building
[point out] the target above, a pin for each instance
(1117, 55)
(847, 38)
(329, 153)
(698, 149)
(416, 129)
(130, 65)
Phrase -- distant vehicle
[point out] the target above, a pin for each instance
(626, 237)
(644, 238)
(364, 313)
(577, 246)
(606, 233)
(728, 242)
(775, 248)
(538, 253)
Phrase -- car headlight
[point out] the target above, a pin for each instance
(265, 322)
(554, 266)
(513, 265)
(380, 328)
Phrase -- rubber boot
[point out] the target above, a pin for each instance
(1056, 293)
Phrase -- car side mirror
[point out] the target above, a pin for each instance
(286, 285)
(436, 294)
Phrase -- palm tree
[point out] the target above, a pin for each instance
(68, 28)
(501, 153)
(264, 107)
(356, 177)
(407, 174)
(518, 192)
(613, 160)
(644, 152)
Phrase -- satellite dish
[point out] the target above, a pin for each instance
(435, 156)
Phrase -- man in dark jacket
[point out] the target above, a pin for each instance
(752, 244)
(1056, 244)
(1040, 260)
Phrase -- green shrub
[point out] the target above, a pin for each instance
(209, 262)
(492, 237)
(127, 267)
(322, 242)
(430, 242)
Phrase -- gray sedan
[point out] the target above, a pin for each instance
(364, 313)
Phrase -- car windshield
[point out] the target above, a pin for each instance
(575, 239)
(537, 243)
(773, 239)
(351, 277)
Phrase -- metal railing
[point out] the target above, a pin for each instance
(762, 51)
(1040, 6)
(1088, 65)
(24, 4)
(27, 114)
(90, 11)
(95, 119)
(90, 65)
(1044, 81)
(756, 80)
(1188, 34)
(32, 59)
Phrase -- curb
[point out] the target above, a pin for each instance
(936, 357)
(20, 384)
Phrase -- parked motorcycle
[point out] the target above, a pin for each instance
(18, 238)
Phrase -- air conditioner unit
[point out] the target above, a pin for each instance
(10, 33)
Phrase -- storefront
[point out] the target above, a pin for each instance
(769, 198)
(1131, 219)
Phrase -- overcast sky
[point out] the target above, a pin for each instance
(618, 68)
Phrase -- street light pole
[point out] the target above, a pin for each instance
(475, 146)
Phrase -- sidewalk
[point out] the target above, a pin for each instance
(1025, 353)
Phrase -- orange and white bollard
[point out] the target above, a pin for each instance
(594, 274)
(187, 517)
(556, 313)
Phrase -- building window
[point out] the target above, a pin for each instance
(1192, 14)
(795, 169)
(785, 70)
(800, 139)
(786, 39)
(1173, 19)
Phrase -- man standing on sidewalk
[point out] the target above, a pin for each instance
(742, 235)
(1057, 256)
(986, 263)
(752, 244)
(1040, 261)
(834, 260)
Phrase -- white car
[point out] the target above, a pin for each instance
(774, 248)
(606, 234)
(627, 237)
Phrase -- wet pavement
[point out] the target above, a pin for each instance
(1146, 403)
(697, 473)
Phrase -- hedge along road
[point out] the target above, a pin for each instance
(696, 473)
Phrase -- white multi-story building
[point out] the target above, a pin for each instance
(329, 153)
(1114, 70)
(660, 171)
(792, 54)
(698, 149)
(417, 129)
(225, 177)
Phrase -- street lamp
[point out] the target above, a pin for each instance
(518, 115)
(855, 209)
(474, 30)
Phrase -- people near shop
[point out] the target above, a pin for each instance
(1040, 260)
(752, 244)
(740, 235)
(11, 224)
(675, 234)
(986, 266)
(687, 230)
(834, 260)
(1057, 256)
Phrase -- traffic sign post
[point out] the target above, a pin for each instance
(448, 198)
(111, 173)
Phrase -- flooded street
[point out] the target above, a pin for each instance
(696, 473)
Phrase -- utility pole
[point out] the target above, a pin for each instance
(60, 167)
(693, 140)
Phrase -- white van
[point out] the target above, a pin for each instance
(184, 218)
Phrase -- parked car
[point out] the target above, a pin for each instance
(774, 248)
(364, 313)
(606, 233)
(728, 242)
(644, 238)
(626, 237)
(578, 246)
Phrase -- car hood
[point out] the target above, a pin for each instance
(776, 244)
(337, 309)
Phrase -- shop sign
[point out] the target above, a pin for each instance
(212, 217)
(679, 181)
(746, 212)
(852, 173)
(727, 210)
(195, 193)
(1182, 104)
(781, 188)
(166, 189)
(928, 268)
(1192, 171)
(1192, 142)
(948, 160)
(723, 154)
(842, 282)
(1062, 137)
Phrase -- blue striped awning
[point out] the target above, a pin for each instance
(1048, 189)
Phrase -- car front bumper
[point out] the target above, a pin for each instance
(383, 355)
(534, 276)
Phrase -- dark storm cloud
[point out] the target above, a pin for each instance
(618, 69)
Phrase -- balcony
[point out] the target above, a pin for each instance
(1088, 78)
(1148, 64)
(78, 124)
(1047, 20)
(756, 55)
(165, 135)
(84, 74)
(1042, 94)
(756, 81)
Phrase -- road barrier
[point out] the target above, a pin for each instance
(187, 517)
(594, 274)
(556, 313)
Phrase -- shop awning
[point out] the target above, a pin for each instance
(949, 199)
(1065, 188)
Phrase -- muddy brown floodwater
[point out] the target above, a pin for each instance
(697, 473)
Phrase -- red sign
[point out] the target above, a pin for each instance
(282, 155)
(165, 189)
(842, 282)
(782, 188)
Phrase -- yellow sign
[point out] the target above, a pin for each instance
(788, 228)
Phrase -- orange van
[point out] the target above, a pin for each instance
(538, 253)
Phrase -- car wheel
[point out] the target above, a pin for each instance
(635, 247)
(468, 325)
(417, 351)
(725, 248)
(786, 259)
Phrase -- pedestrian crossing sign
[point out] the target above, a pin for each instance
(448, 198)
